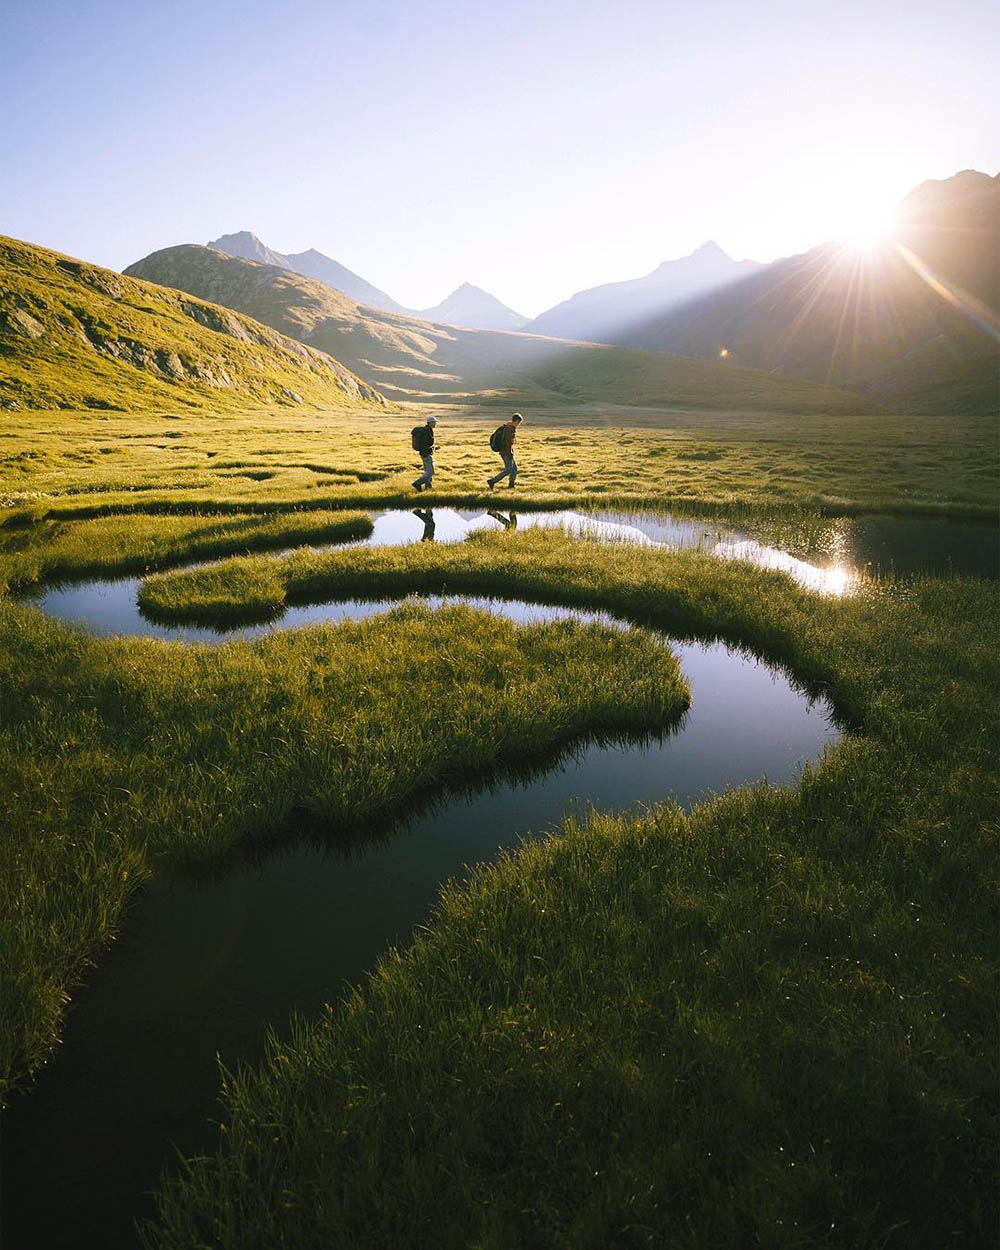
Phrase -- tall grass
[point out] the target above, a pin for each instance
(53, 550)
(117, 754)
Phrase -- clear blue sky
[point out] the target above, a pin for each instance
(530, 148)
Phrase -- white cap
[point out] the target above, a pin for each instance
(432, 420)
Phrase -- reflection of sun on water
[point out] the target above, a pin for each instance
(838, 580)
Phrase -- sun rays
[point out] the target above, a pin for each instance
(988, 319)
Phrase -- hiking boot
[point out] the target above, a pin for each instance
(490, 483)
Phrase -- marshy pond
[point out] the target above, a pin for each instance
(205, 964)
(847, 548)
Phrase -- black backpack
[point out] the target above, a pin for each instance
(420, 437)
(498, 439)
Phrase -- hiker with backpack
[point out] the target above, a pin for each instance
(422, 438)
(502, 442)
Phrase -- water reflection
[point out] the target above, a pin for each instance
(835, 580)
(846, 547)
(394, 529)
(900, 546)
(508, 522)
(427, 516)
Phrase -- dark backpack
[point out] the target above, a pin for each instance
(498, 439)
(420, 437)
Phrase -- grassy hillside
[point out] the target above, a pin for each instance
(74, 335)
(912, 323)
(410, 359)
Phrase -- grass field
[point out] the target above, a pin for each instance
(68, 466)
(769, 1022)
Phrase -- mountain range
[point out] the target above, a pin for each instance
(602, 314)
(912, 322)
(407, 358)
(596, 315)
(467, 305)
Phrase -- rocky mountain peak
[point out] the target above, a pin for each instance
(245, 244)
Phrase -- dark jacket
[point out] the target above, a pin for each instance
(426, 440)
(509, 434)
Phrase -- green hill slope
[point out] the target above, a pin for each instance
(74, 335)
(411, 359)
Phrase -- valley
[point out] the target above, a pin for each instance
(605, 861)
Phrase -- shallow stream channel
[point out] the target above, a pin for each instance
(204, 965)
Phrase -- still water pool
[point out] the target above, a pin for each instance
(880, 544)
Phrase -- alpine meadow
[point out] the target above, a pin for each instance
(590, 843)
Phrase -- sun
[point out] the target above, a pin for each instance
(866, 229)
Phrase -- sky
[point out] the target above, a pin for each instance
(530, 148)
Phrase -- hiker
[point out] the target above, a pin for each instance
(422, 438)
(502, 441)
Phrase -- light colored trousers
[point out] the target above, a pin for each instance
(427, 476)
(509, 469)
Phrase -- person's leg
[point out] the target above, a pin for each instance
(509, 470)
(427, 476)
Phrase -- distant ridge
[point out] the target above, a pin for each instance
(470, 305)
(415, 360)
(602, 314)
(912, 322)
(311, 263)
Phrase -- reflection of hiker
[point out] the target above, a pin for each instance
(427, 516)
(508, 522)
(502, 441)
(422, 438)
